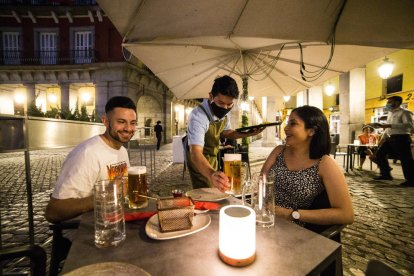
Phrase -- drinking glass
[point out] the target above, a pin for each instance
(109, 212)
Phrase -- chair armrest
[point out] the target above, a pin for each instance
(68, 224)
(333, 230)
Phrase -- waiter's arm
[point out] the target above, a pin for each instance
(217, 178)
(232, 134)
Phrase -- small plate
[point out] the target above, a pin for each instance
(152, 228)
(108, 269)
(207, 194)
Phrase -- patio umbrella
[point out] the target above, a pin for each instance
(279, 47)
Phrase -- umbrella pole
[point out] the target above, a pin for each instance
(245, 118)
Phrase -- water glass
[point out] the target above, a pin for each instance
(109, 212)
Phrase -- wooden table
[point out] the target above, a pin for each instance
(285, 249)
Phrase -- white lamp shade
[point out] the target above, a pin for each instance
(237, 235)
(386, 68)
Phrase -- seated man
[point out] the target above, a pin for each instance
(93, 160)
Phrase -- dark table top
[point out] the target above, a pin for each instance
(285, 249)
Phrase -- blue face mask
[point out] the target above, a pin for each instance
(389, 106)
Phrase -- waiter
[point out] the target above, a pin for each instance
(206, 124)
(399, 127)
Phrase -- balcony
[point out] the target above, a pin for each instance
(47, 2)
(48, 57)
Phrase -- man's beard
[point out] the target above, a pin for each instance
(114, 135)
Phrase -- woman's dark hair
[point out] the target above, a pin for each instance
(314, 118)
(225, 85)
(120, 101)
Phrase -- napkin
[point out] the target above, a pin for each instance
(138, 215)
(203, 205)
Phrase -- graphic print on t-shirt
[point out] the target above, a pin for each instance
(119, 169)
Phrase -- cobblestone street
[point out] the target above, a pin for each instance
(384, 212)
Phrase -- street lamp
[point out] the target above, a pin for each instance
(385, 69)
(329, 89)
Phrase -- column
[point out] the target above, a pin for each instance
(316, 97)
(30, 94)
(351, 103)
(269, 134)
(64, 96)
(101, 97)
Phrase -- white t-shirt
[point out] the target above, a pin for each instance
(87, 163)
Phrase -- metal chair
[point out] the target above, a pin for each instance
(36, 254)
(60, 244)
(332, 232)
(336, 151)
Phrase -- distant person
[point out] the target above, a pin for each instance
(207, 123)
(158, 130)
(303, 170)
(100, 157)
(397, 141)
(366, 138)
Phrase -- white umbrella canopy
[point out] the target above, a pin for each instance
(188, 43)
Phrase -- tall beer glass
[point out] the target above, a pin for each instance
(232, 166)
(137, 187)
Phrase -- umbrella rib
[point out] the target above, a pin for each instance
(227, 56)
(290, 76)
(238, 19)
(137, 13)
(209, 75)
(317, 66)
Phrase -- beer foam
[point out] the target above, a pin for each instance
(137, 170)
(232, 157)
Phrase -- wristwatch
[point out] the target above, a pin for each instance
(295, 215)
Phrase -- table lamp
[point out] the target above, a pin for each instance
(237, 235)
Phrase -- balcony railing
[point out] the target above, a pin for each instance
(48, 2)
(48, 57)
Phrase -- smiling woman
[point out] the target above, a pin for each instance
(303, 170)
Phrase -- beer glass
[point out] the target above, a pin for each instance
(109, 212)
(232, 169)
(137, 187)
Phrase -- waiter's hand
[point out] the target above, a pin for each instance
(220, 181)
(375, 125)
(256, 131)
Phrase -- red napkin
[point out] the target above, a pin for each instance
(138, 215)
(202, 205)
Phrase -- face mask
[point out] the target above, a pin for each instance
(220, 112)
(389, 106)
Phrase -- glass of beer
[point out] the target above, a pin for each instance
(137, 187)
(232, 169)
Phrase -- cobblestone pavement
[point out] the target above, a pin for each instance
(384, 212)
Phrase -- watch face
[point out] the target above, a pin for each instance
(295, 215)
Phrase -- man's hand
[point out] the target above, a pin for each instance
(220, 181)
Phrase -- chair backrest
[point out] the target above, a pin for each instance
(333, 148)
(377, 268)
(332, 232)
(36, 254)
